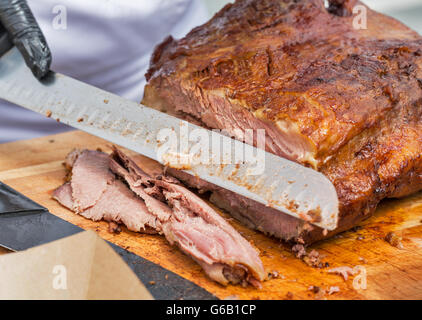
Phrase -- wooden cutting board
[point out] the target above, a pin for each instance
(34, 168)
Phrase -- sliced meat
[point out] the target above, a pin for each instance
(63, 195)
(195, 227)
(131, 197)
(134, 170)
(120, 205)
(71, 158)
(90, 177)
(115, 202)
(199, 230)
(136, 179)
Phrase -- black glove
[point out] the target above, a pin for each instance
(18, 25)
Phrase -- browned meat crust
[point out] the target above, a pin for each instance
(344, 101)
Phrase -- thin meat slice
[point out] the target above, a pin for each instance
(200, 231)
(90, 177)
(63, 195)
(134, 170)
(196, 228)
(71, 157)
(119, 204)
(155, 206)
(103, 197)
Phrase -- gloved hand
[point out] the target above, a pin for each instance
(18, 25)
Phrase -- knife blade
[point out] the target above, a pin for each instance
(282, 184)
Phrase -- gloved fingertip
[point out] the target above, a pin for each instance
(40, 69)
(36, 54)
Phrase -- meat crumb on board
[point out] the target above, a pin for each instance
(394, 240)
(113, 227)
(333, 290)
(312, 259)
(363, 260)
(48, 113)
(320, 292)
(299, 251)
(274, 275)
(314, 289)
(342, 271)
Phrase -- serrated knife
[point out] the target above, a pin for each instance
(287, 186)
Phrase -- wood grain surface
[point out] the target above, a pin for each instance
(34, 168)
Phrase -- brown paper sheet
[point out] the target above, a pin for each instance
(82, 266)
